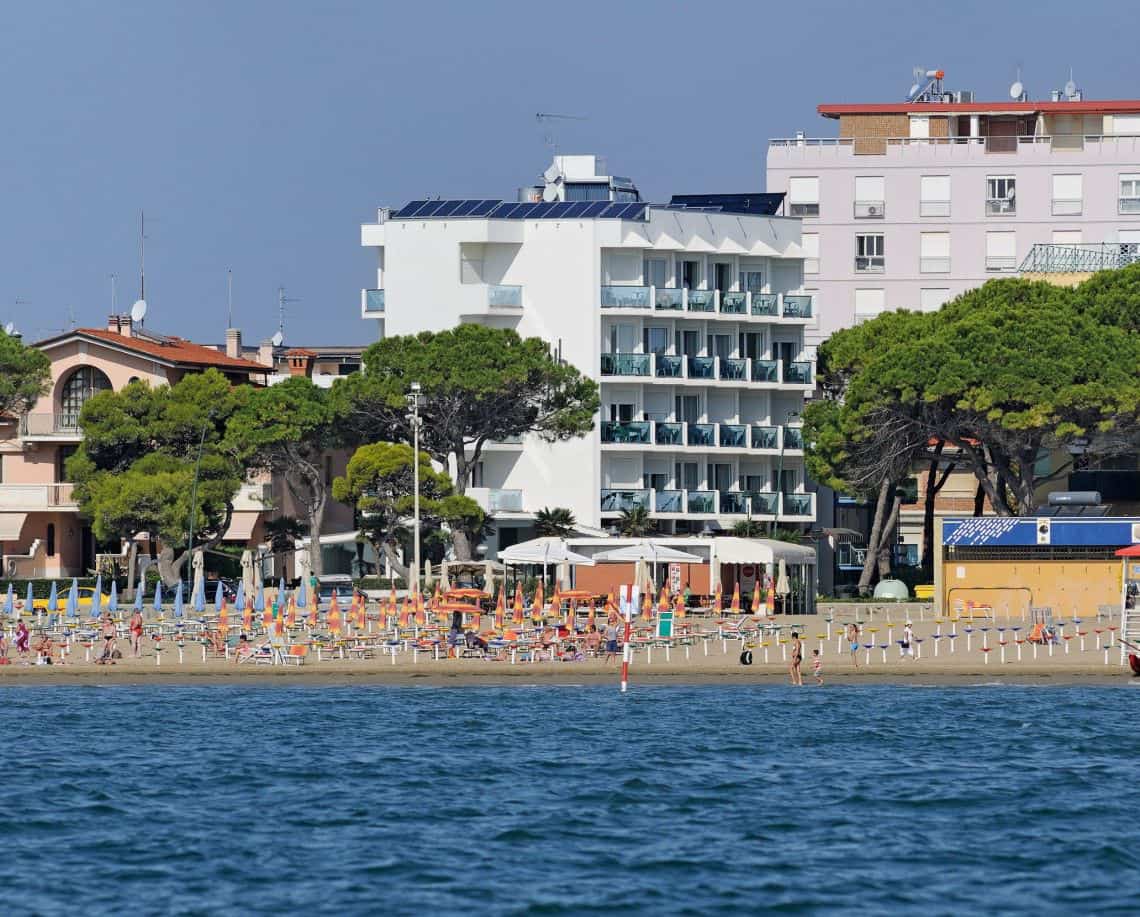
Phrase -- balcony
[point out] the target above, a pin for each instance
(702, 368)
(668, 367)
(734, 303)
(1087, 257)
(797, 305)
(616, 501)
(764, 503)
(934, 208)
(765, 438)
(625, 433)
(50, 426)
(701, 434)
(733, 436)
(622, 297)
(702, 300)
(870, 264)
(625, 364)
(373, 303)
(734, 504)
(870, 210)
(504, 296)
(765, 304)
(793, 438)
(1128, 204)
(1067, 208)
(32, 497)
(733, 369)
(497, 500)
(1001, 207)
(668, 299)
(668, 434)
(765, 370)
(798, 505)
(803, 209)
(669, 501)
(798, 372)
(701, 502)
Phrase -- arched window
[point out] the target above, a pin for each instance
(78, 387)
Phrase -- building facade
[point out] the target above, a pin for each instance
(689, 315)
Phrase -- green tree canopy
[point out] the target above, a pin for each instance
(557, 521)
(25, 374)
(478, 384)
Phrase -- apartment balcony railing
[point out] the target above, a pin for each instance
(934, 208)
(624, 500)
(625, 364)
(765, 437)
(668, 299)
(37, 496)
(765, 304)
(669, 501)
(941, 148)
(870, 264)
(1001, 207)
(702, 368)
(797, 505)
(1085, 258)
(764, 503)
(765, 370)
(504, 296)
(666, 366)
(793, 438)
(797, 305)
(870, 210)
(63, 425)
(666, 433)
(373, 302)
(701, 434)
(1128, 205)
(676, 434)
(622, 297)
(798, 372)
(933, 265)
(633, 431)
(733, 436)
(803, 209)
(733, 303)
(733, 369)
(700, 502)
(1067, 208)
(702, 300)
(502, 500)
(734, 504)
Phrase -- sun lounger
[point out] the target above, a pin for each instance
(295, 654)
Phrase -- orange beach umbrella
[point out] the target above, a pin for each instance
(756, 598)
(735, 606)
(517, 617)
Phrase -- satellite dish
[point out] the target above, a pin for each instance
(552, 173)
(138, 311)
(914, 90)
(278, 339)
(1016, 91)
(1070, 89)
(550, 193)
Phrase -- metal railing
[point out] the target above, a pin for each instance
(373, 301)
(623, 297)
(667, 366)
(50, 425)
(504, 296)
(1046, 258)
(625, 364)
(1001, 207)
(1128, 204)
(870, 264)
(803, 209)
(36, 496)
(999, 144)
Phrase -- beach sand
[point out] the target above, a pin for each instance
(720, 665)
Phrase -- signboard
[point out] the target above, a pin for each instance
(674, 578)
(1022, 531)
(665, 624)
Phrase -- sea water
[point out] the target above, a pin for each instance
(564, 799)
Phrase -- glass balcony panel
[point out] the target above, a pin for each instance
(669, 434)
(763, 503)
(373, 301)
(701, 434)
(669, 300)
(733, 303)
(505, 501)
(797, 305)
(669, 367)
(765, 438)
(764, 370)
(733, 436)
(793, 438)
(798, 372)
(733, 504)
(614, 501)
(796, 504)
(733, 368)
(622, 297)
(701, 367)
(669, 501)
(702, 300)
(702, 501)
(765, 304)
(504, 296)
(629, 432)
(1128, 204)
(625, 364)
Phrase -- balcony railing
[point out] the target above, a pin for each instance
(1001, 207)
(668, 434)
(50, 425)
(624, 500)
(733, 436)
(798, 372)
(793, 438)
(933, 265)
(1067, 208)
(500, 500)
(803, 210)
(1085, 258)
(669, 501)
(870, 264)
(1128, 205)
(668, 367)
(765, 304)
(633, 431)
(765, 370)
(797, 305)
(797, 504)
(504, 296)
(733, 503)
(733, 303)
(373, 302)
(622, 297)
(36, 496)
(701, 434)
(625, 364)
(870, 210)
(702, 368)
(702, 301)
(764, 503)
(934, 208)
(701, 501)
(668, 299)
(765, 437)
(733, 369)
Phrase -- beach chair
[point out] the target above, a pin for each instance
(295, 654)
(262, 655)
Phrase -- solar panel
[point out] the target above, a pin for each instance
(514, 210)
(429, 209)
(408, 209)
(594, 208)
(482, 208)
(464, 208)
(575, 209)
(448, 208)
(544, 210)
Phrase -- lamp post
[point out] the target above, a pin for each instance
(194, 488)
(780, 471)
(414, 418)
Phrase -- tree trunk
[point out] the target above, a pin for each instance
(393, 558)
(169, 569)
(316, 517)
(887, 538)
(934, 483)
(871, 558)
(461, 543)
(979, 501)
(132, 555)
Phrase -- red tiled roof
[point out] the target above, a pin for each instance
(175, 350)
(1091, 107)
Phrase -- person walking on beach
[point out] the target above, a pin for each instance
(797, 660)
(611, 639)
(817, 666)
(22, 638)
(107, 628)
(136, 629)
(853, 638)
(906, 644)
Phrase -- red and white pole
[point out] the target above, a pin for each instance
(627, 603)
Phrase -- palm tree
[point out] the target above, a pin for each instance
(748, 528)
(557, 521)
(792, 536)
(635, 522)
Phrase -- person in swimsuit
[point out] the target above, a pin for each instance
(817, 666)
(136, 628)
(853, 637)
(22, 638)
(797, 660)
(107, 629)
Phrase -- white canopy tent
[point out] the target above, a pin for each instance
(793, 564)
(545, 551)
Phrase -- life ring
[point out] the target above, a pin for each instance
(747, 571)
(746, 657)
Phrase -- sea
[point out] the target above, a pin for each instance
(570, 799)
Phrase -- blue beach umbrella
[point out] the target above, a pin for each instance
(113, 602)
(178, 600)
(140, 597)
(200, 597)
(303, 595)
(157, 603)
(10, 602)
(97, 598)
(219, 597)
(73, 599)
(53, 598)
(239, 599)
(259, 599)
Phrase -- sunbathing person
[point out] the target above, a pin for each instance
(243, 650)
(44, 650)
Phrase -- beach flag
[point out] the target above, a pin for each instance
(735, 606)
(519, 608)
(501, 608)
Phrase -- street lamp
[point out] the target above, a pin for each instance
(780, 471)
(413, 399)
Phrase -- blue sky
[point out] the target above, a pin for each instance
(259, 135)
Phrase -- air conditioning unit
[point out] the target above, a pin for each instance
(872, 211)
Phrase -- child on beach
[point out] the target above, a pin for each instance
(817, 666)
(853, 637)
(611, 639)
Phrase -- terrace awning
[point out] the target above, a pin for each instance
(241, 527)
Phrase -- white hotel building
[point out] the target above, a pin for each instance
(690, 315)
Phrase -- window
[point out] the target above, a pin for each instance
(1130, 193)
(869, 253)
(803, 197)
(870, 197)
(1001, 251)
(51, 539)
(919, 127)
(810, 245)
(934, 255)
(79, 387)
(1129, 240)
(934, 196)
(932, 299)
(1001, 197)
(1066, 237)
(587, 191)
(1067, 195)
(688, 274)
(869, 303)
(655, 272)
(752, 281)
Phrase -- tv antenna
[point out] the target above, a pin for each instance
(279, 337)
(229, 297)
(114, 297)
(142, 255)
(544, 119)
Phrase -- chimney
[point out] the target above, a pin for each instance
(301, 362)
(233, 343)
(119, 324)
(265, 354)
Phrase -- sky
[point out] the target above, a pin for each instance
(257, 136)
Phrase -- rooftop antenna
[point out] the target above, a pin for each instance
(114, 297)
(229, 297)
(142, 255)
(279, 337)
(1017, 90)
(1072, 93)
(544, 118)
